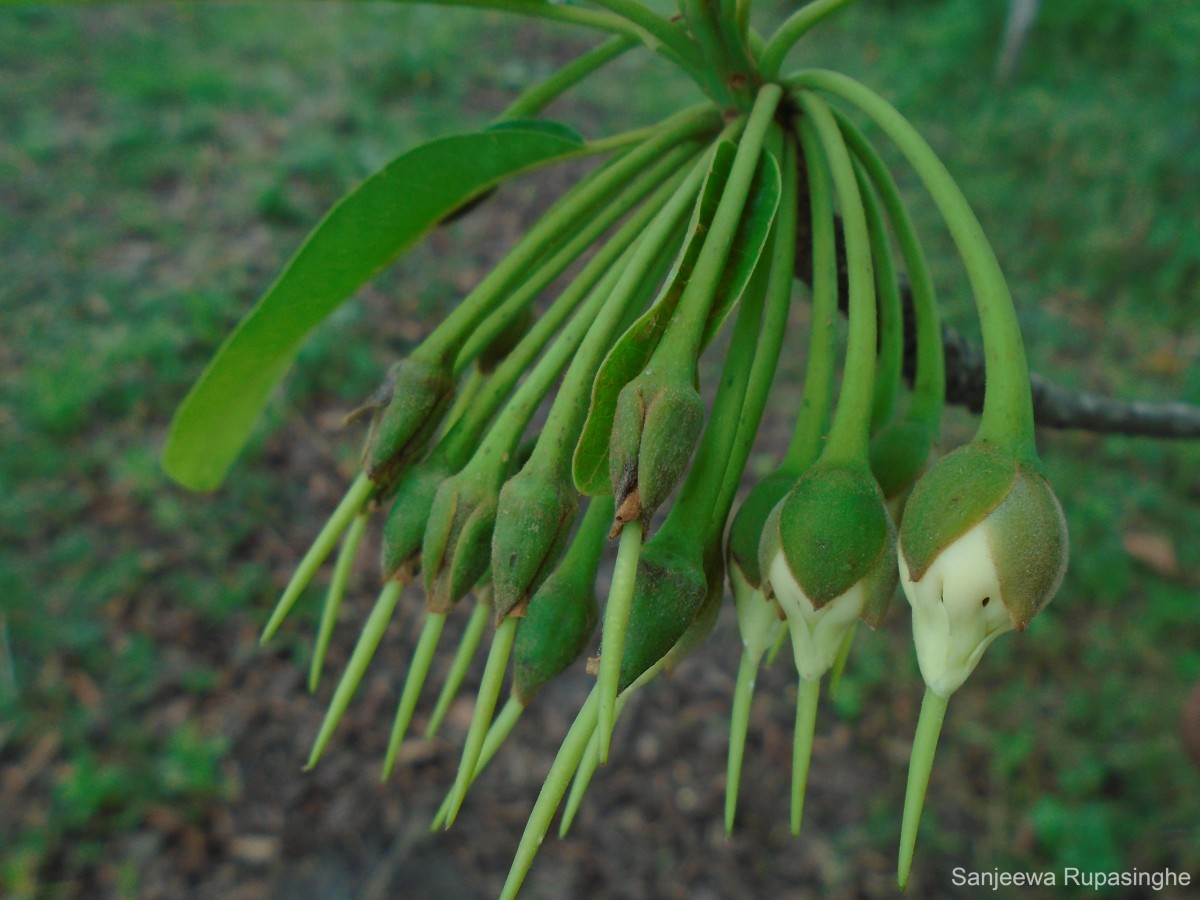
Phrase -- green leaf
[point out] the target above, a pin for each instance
(633, 349)
(545, 126)
(748, 243)
(366, 231)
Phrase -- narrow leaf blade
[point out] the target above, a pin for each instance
(748, 242)
(360, 236)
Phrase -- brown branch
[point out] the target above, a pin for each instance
(1055, 406)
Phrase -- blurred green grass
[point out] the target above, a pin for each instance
(158, 166)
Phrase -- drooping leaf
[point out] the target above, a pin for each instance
(748, 242)
(633, 349)
(360, 236)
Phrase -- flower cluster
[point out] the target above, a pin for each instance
(691, 223)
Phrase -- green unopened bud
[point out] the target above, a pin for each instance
(533, 522)
(405, 412)
(458, 539)
(982, 551)
(705, 620)
(901, 451)
(669, 591)
(827, 556)
(404, 529)
(562, 612)
(746, 532)
(657, 423)
(558, 624)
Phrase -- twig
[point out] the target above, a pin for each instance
(1055, 406)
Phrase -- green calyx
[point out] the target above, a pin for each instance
(834, 532)
(954, 496)
(1026, 533)
(405, 413)
(534, 515)
(559, 622)
(658, 421)
(563, 612)
(1030, 547)
(457, 544)
(669, 592)
(704, 621)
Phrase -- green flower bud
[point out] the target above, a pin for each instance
(558, 624)
(827, 557)
(901, 451)
(533, 522)
(982, 550)
(655, 429)
(705, 619)
(669, 591)
(404, 528)
(562, 612)
(458, 539)
(405, 412)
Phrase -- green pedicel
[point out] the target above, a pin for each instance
(560, 620)
(333, 598)
(467, 645)
(462, 506)
(538, 505)
(622, 284)
(1007, 419)
(887, 293)
(665, 441)
(356, 497)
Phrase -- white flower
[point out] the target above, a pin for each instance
(957, 608)
(758, 618)
(817, 634)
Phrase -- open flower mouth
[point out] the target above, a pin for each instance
(957, 610)
(816, 634)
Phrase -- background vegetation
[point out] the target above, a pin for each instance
(159, 164)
